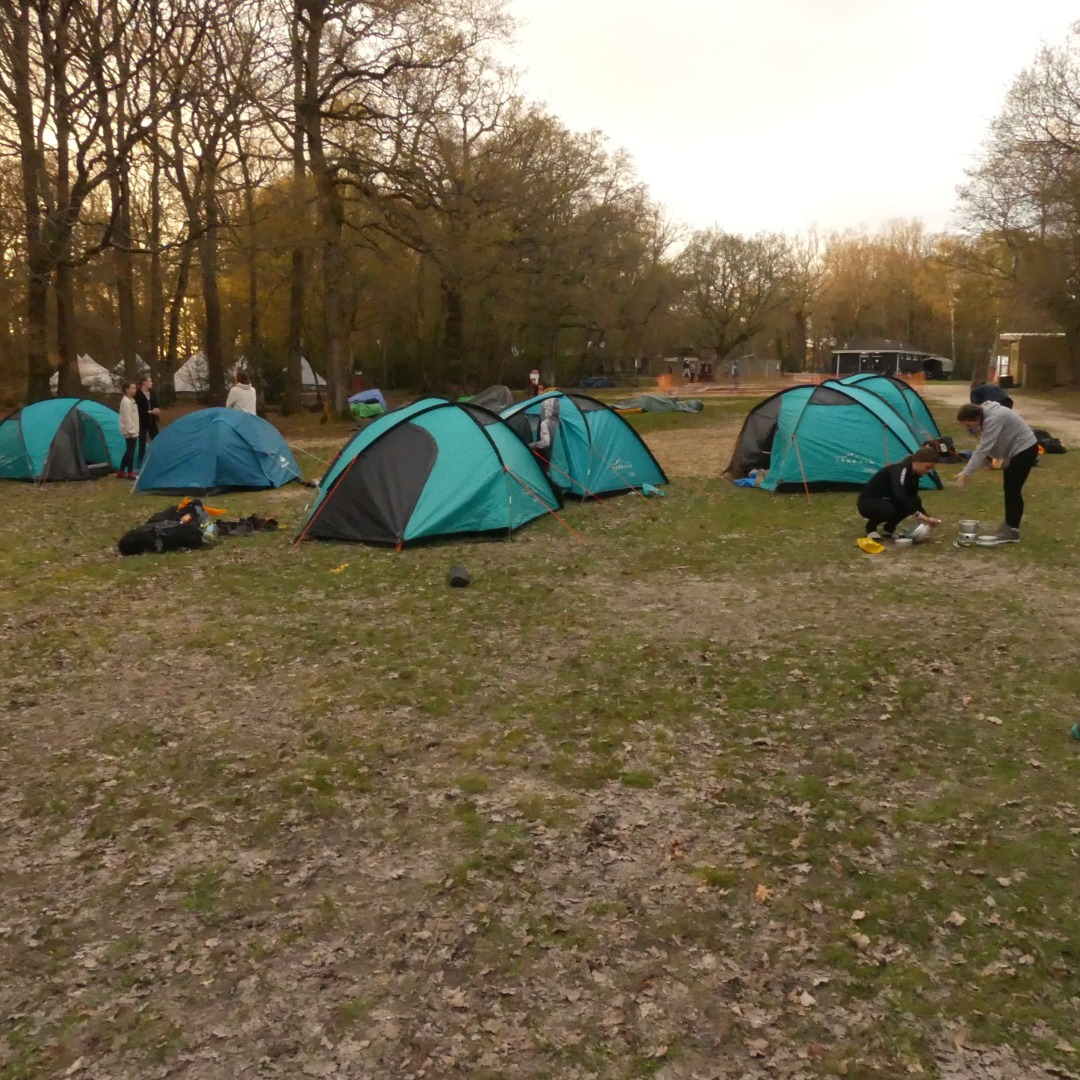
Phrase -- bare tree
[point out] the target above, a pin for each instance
(733, 284)
(64, 69)
(1026, 189)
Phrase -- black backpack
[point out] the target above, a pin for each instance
(1048, 442)
(160, 536)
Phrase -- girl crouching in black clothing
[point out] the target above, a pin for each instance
(892, 494)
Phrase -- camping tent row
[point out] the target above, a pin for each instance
(836, 434)
(193, 375)
(211, 450)
(439, 468)
(94, 378)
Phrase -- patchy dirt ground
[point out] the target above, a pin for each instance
(946, 398)
(696, 792)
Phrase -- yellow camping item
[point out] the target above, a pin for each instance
(211, 510)
(871, 547)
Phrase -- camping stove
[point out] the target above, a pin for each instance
(968, 531)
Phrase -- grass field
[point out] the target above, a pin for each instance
(679, 787)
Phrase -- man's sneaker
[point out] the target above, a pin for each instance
(873, 534)
(1005, 534)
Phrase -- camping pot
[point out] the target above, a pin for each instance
(903, 543)
(921, 533)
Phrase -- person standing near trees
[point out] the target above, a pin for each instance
(1003, 434)
(129, 431)
(242, 395)
(146, 403)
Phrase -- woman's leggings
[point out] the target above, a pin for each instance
(1013, 477)
(881, 511)
(128, 462)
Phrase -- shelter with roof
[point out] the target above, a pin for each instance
(595, 452)
(192, 377)
(887, 357)
(95, 379)
(60, 439)
(433, 469)
(214, 450)
(832, 435)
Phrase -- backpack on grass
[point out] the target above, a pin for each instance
(180, 527)
(1049, 443)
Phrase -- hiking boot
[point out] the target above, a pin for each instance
(1006, 534)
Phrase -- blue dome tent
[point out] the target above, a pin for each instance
(216, 450)
(433, 469)
(827, 436)
(596, 451)
(902, 397)
(60, 439)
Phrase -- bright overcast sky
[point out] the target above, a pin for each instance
(781, 115)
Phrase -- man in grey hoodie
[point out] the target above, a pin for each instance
(1006, 435)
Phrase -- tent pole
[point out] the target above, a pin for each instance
(802, 471)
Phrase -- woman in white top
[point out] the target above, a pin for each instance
(242, 395)
(129, 431)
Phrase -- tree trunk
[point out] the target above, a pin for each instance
(453, 350)
(176, 306)
(253, 351)
(163, 376)
(212, 344)
(125, 282)
(1072, 352)
(298, 261)
(69, 384)
(332, 219)
(37, 338)
(32, 169)
(338, 354)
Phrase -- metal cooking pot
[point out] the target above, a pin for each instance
(921, 533)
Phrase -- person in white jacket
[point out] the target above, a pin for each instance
(242, 395)
(129, 431)
(1002, 434)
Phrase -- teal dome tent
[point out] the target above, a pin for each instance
(902, 397)
(60, 439)
(827, 436)
(433, 469)
(215, 450)
(596, 451)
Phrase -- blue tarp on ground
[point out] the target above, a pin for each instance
(369, 397)
(658, 403)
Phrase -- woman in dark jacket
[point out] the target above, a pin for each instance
(892, 494)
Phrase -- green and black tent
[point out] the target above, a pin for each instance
(433, 469)
(60, 439)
